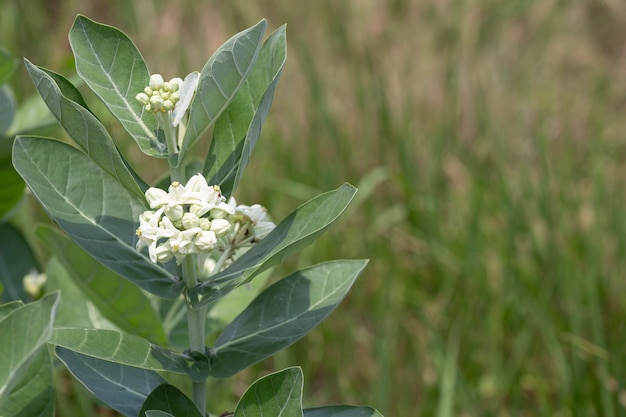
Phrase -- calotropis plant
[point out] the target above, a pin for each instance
(157, 261)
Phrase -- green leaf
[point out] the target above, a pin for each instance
(6, 309)
(67, 88)
(239, 127)
(73, 310)
(121, 348)
(33, 394)
(7, 65)
(122, 388)
(82, 126)
(95, 210)
(275, 395)
(119, 300)
(282, 314)
(341, 411)
(7, 109)
(169, 400)
(114, 69)
(294, 233)
(12, 187)
(29, 327)
(220, 79)
(158, 413)
(16, 261)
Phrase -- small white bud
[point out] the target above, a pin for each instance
(156, 81)
(205, 240)
(142, 98)
(190, 220)
(220, 226)
(156, 102)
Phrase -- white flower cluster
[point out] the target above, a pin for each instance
(160, 96)
(195, 219)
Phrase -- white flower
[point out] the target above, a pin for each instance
(34, 282)
(149, 232)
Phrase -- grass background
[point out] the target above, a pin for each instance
(488, 141)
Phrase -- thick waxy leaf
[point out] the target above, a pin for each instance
(6, 309)
(26, 330)
(74, 309)
(220, 79)
(125, 349)
(83, 127)
(119, 300)
(169, 400)
(239, 127)
(114, 69)
(282, 314)
(158, 413)
(275, 395)
(16, 260)
(7, 109)
(294, 233)
(95, 210)
(341, 411)
(123, 388)
(33, 394)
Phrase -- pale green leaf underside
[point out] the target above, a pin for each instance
(121, 348)
(122, 388)
(25, 330)
(220, 79)
(33, 393)
(114, 69)
(282, 314)
(95, 210)
(84, 128)
(239, 127)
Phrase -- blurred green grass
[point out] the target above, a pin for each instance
(488, 141)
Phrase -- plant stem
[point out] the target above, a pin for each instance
(195, 328)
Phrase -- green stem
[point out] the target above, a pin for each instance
(195, 327)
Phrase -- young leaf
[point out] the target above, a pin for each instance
(282, 314)
(294, 233)
(114, 69)
(119, 300)
(220, 79)
(121, 348)
(341, 411)
(239, 127)
(95, 210)
(16, 260)
(83, 127)
(275, 395)
(170, 401)
(29, 327)
(32, 393)
(123, 388)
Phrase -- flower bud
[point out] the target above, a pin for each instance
(156, 102)
(220, 226)
(174, 213)
(142, 98)
(205, 240)
(156, 81)
(156, 197)
(190, 220)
